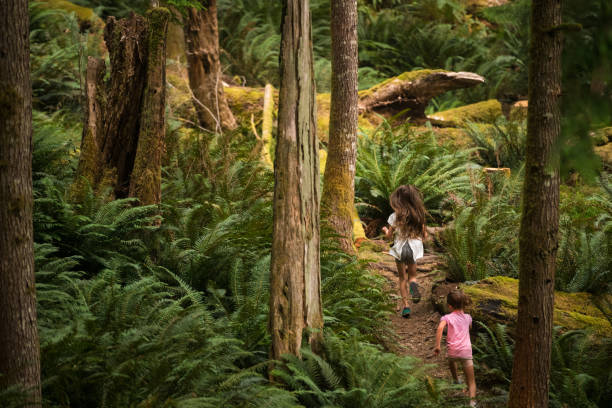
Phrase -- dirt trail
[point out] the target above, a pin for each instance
(417, 334)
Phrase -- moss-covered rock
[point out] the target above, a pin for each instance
(601, 137)
(605, 152)
(495, 300)
(486, 112)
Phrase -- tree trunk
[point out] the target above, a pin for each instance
(295, 279)
(538, 239)
(339, 186)
(19, 347)
(145, 180)
(202, 38)
(124, 117)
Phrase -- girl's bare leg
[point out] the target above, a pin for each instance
(412, 272)
(453, 370)
(403, 282)
(470, 379)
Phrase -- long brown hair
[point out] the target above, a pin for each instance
(458, 300)
(409, 209)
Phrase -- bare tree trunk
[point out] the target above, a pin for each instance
(125, 115)
(339, 186)
(295, 281)
(19, 347)
(538, 239)
(202, 38)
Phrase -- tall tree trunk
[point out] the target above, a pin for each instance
(538, 239)
(124, 121)
(19, 347)
(339, 186)
(295, 281)
(202, 38)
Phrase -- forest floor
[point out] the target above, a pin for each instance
(417, 334)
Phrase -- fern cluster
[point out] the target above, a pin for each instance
(482, 239)
(388, 158)
(580, 369)
(585, 249)
(355, 374)
(501, 145)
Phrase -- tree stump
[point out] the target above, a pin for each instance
(124, 121)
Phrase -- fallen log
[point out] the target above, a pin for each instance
(413, 91)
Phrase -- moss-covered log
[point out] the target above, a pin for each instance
(413, 91)
(486, 111)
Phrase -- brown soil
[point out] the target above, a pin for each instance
(417, 334)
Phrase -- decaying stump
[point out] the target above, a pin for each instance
(124, 119)
(413, 91)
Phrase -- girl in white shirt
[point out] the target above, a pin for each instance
(408, 225)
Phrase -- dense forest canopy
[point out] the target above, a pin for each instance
(157, 240)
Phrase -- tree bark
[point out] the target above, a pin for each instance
(19, 347)
(538, 238)
(202, 39)
(124, 117)
(145, 180)
(295, 279)
(339, 186)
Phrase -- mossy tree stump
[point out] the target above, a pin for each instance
(124, 117)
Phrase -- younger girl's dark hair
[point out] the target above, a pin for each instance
(409, 209)
(458, 300)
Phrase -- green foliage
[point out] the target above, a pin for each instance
(580, 369)
(500, 145)
(354, 374)
(54, 139)
(481, 240)
(585, 249)
(121, 340)
(249, 32)
(388, 158)
(58, 53)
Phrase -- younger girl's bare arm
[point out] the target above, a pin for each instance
(439, 332)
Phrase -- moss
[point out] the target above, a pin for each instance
(486, 111)
(82, 13)
(496, 300)
(605, 152)
(158, 30)
(406, 76)
(245, 101)
(601, 137)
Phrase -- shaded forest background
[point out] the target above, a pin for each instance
(167, 305)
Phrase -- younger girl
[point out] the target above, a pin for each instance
(408, 223)
(459, 347)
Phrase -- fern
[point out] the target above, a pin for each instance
(389, 158)
(354, 374)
